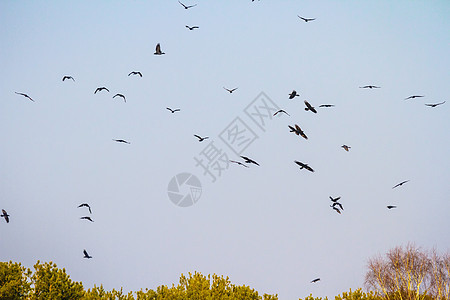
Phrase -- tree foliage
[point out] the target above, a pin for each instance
(14, 281)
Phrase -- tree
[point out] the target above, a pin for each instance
(14, 281)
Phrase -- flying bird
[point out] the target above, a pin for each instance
(86, 255)
(200, 139)
(346, 148)
(293, 94)
(338, 204)
(310, 107)
(25, 95)
(306, 19)
(414, 96)
(315, 280)
(391, 206)
(121, 141)
(249, 161)
(336, 209)
(173, 110)
(230, 91)
(304, 166)
(326, 105)
(281, 111)
(5, 215)
(158, 50)
(101, 89)
(298, 131)
(86, 205)
(121, 96)
(187, 6)
(87, 218)
(369, 87)
(135, 73)
(435, 104)
(335, 199)
(68, 77)
(399, 184)
(238, 162)
(192, 28)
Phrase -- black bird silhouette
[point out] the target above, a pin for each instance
(86, 205)
(121, 141)
(336, 209)
(201, 139)
(86, 255)
(315, 280)
(68, 77)
(87, 218)
(298, 131)
(293, 94)
(100, 89)
(173, 110)
(326, 105)
(304, 166)
(5, 215)
(369, 87)
(435, 104)
(121, 96)
(135, 73)
(346, 148)
(187, 6)
(414, 96)
(306, 19)
(338, 204)
(192, 28)
(158, 50)
(249, 161)
(238, 162)
(230, 90)
(335, 199)
(281, 111)
(391, 206)
(25, 95)
(310, 107)
(399, 184)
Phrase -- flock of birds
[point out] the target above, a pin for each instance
(296, 129)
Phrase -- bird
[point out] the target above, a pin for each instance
(315, 280)
(335, 199)
(25, 95)
(173, 110)
(298, 131)
(86, 205)
(5, 215)
(201, 139)
(369, 87)
(187, 6)
(435, 104)
(135, 73)
(120, 95)
(86, 255)
(68, 77)
(99, 89)
(304, 166)
(192, 28)
(238, 162)
(399, 184)
(326, 105)
(249, 161)
(414, 96)
(230, 91)
(338, 204)
(121, 141)
(346, 148)
(391, 206)
(336, 209)
(87, 218)
(310, 107)
(281, 111)
(306, 19)
(158, 50)
(293, 94)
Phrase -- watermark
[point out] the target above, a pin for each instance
(184, 189)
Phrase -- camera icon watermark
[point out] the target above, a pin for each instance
(184, 189)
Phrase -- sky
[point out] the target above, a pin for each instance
(269, 226)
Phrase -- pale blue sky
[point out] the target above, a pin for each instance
(269, 227)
